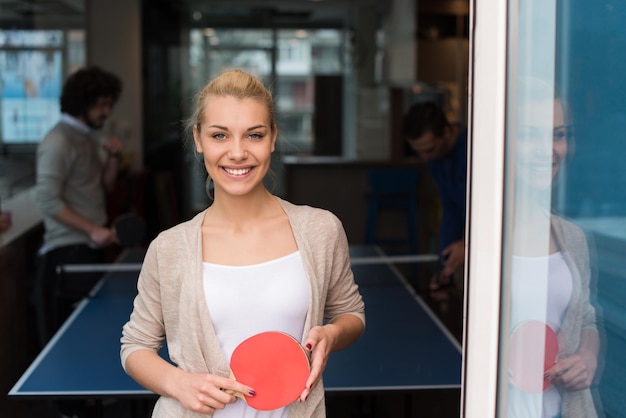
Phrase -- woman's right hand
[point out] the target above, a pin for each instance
(204, 392)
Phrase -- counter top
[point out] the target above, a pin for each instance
(24, 216)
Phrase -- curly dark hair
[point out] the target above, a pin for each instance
(83, 89)
(424, 117)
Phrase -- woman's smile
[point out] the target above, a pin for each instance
(237, 172)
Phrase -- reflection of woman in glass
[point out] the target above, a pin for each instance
(550, 271)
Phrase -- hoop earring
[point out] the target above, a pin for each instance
(207, 187)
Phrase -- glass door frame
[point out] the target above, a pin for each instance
(485, 227)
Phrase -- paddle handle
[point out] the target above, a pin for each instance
(232, 392)
(237, 394)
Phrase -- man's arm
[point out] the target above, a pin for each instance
(454, 256)
(99, 235)
(113, 146)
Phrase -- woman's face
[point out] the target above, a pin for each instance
(541, 143)
(236, 141)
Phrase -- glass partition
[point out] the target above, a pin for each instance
(563, 274)
(547, 230)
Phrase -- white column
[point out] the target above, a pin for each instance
(114, 44)
(487, 94)
(400, 43)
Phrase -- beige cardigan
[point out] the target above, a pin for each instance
(171, 305)
(580, 314)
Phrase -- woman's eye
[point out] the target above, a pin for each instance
(559, 135)
(218, 136)
(256, 136)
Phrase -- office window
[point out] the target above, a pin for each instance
(304, 56)
(32, 68)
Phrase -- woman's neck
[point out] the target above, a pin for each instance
(242, 210)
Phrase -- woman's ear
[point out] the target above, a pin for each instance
(196, 138)
(274, 137)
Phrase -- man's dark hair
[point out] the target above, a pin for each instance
(83, 89)
(422, 118)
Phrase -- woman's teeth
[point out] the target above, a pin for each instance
(237, 171)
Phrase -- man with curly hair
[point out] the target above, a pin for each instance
(74, 172)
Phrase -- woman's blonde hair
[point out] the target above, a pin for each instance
(233, 83)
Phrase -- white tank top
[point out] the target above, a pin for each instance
(541, 289)
(246, 300)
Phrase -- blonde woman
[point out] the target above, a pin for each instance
(251, 262)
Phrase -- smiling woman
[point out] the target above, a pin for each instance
(233, 113)
(249, 263)
(236, 140)
(550, 270)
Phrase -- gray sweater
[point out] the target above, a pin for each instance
(171, 304)
(69, 172)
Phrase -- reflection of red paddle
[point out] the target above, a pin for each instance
(129, 230)
(275, 365)
(533, 348)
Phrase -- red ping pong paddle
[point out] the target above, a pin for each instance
(129, 229)
(533, 348)
(275, 365)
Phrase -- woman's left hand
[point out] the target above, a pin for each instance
(574, 372)
(338, 334)
(319, 343)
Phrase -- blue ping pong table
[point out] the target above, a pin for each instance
(404, 346)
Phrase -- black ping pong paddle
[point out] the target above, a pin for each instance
(129, 230)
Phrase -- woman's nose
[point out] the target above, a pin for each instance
(237, 150)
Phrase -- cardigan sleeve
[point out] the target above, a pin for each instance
(343, 295)
(588, 313)
(571, 237)
(145, 328)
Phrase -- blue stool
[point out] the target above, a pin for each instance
(393, 188)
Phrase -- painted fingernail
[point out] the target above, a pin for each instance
(251, 392)
(308, 346)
